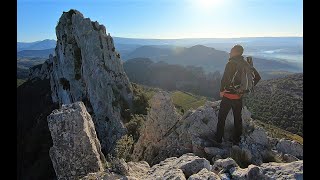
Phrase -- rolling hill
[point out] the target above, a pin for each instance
(173, 77)
(279, 102)
(35, 53)
(26, 63)
(208, 58)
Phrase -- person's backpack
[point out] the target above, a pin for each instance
(244, 74)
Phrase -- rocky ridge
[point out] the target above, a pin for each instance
(87, 68)
(206, 162)
(191, 167)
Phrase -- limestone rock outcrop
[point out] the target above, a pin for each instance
(204, 174)
(76, 150)
(167, 134)
(293, 170)
(290, 147)
(171, 168)
(161, 119)
(191, 167)
(87, 68)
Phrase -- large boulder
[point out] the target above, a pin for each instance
(138, 169)
(258, 136)
(230, 170)
(161, 121)
(224, 165)
(87, 68)
(167, 134)
(76, 150)
(178, 168)
(254, 146)
(290, 147)
(204, 174)
(293, 170)
(191, 167)
(188, 163)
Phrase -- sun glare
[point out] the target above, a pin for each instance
(205, 4)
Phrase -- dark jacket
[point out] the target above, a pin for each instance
(230, 70)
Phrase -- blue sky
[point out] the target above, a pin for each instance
(166, 18)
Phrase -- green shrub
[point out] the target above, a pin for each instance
(134, 126)
(140, 100)
(240, 157)
(279, 102)
(271, 157)
(124, 147)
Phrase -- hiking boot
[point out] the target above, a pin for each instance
(236, 141)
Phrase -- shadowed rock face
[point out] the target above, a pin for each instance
(87, 68)
(76, 150)
(34, 104)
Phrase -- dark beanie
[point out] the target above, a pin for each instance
(238, 48)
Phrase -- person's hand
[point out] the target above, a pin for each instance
(221, 94)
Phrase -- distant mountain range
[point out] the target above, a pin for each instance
(38, 45)
(208, 58)
(268, 53)
(257, 42)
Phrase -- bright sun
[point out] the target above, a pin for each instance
(206, 3)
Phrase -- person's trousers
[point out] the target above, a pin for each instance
(225, 106)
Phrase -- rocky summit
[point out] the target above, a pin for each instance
(94, 95)
(167, 134)
(192, 167)
(87, 68)
(168, 153)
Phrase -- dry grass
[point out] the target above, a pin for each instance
(279, 133)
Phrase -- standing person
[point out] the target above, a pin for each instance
(239, 77)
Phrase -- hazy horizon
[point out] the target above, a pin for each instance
(178, 38)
